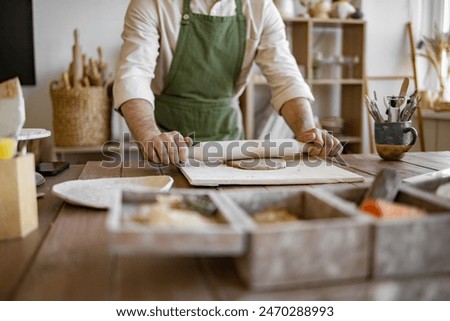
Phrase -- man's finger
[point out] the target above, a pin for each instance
(328, 144)
(172, 149)
(188, 140)
(161, 151)
(182, 147)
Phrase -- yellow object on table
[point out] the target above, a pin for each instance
(7, 148)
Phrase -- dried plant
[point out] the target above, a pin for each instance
(437, 50)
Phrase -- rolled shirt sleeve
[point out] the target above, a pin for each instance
(277, 63)
(138, 55)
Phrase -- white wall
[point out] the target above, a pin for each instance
(99, 23)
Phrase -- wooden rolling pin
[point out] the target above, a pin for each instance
(101, 64)
(94, 76)
(77, 63)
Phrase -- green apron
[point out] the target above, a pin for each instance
(197, 100)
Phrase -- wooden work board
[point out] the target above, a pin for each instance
(296, 172)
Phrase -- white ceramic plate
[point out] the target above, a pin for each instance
(444, 191)
(33, 133)
(100, 193)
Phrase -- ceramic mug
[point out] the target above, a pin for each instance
(394, 139)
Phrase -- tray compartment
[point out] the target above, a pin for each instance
(329, 242)
(128, 236)
(429, 183)
(408, 246)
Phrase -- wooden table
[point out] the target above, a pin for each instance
(68, 257)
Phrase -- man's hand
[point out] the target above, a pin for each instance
(298, 115)
(324, 144)
(167, 148)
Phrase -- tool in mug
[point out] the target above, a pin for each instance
(394, 104)
(411, 106)
(377, 112)
(373, 110)
(368, 104)
(411, 111)
(403, 89)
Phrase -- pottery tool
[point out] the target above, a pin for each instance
(385, 186)
(406, 112)
(12, 116)
(394, 104)
(77, 64)
(403, 89)
(409, 110)
(373, 110)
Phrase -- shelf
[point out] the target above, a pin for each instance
(260, 80)
(329, 21)
(350, 38)
(336, 82)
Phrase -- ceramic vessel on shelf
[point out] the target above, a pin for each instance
(321, 9)
(342, 9)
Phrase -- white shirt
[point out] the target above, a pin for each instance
(150, 37)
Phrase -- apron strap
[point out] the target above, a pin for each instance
(185, 17)
(239, 7)
(187, 7)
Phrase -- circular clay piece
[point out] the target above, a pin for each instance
(258, 163)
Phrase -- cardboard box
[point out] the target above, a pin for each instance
(18, 203)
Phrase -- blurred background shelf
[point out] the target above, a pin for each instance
(345, 83)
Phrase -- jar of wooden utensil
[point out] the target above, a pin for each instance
(81, 105)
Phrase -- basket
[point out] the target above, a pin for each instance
(81, 116)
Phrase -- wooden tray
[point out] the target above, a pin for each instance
(330, 242)
(408, 246)
(429, 184)
(128, 236)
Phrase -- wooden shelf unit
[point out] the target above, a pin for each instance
(351, 89)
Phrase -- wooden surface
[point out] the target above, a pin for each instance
(68, 257)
